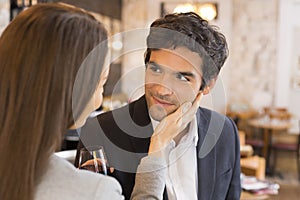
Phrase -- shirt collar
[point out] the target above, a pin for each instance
(192, 132)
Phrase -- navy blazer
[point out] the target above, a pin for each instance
(125, 134)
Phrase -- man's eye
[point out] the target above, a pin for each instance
(155, 69)
(181, 77)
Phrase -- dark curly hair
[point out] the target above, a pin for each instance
(191, 31)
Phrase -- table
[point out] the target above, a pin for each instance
(248, 196)
(241, 115)
(269, 126)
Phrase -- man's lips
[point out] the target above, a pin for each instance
(162, 102)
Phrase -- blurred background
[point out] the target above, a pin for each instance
(263, 68)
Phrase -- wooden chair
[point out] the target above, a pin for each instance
(255, 139)
(254, 166)
(287, 146)
(251, 165)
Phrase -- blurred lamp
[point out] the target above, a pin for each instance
(117, 45)
(182, 8)
(207, 11)
(116, 42)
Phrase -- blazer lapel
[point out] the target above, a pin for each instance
(142, 125)
(206, 162)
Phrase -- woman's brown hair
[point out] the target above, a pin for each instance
(41, 52)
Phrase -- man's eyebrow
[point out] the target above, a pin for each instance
(189, 74)
(153, 63)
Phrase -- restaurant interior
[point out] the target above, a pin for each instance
(258, 87)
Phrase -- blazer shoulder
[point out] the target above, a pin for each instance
(109, 115)
(215, 123)
(208, 115)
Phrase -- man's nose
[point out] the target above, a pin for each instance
(163, 90)
(163, 87)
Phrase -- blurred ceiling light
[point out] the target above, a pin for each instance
(117, 45)
(182, 8)
(207, 11)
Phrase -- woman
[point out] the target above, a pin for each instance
(51, 78)
(41, 79)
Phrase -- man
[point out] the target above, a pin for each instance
(183, 58)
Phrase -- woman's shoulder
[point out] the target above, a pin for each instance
(63, 179)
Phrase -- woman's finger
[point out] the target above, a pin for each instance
(190, 113)
(172, 119)
(173, 124)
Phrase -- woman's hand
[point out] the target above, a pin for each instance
(173, 124)
(90, 165)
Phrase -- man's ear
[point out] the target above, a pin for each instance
(210, 85)
(205, 90)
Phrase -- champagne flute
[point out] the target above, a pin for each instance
(93, 158)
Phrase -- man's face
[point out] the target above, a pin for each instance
(172, 78)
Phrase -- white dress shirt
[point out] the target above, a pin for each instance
(181, 181)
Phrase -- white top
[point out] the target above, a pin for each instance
(63, 181)
(181, 178)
